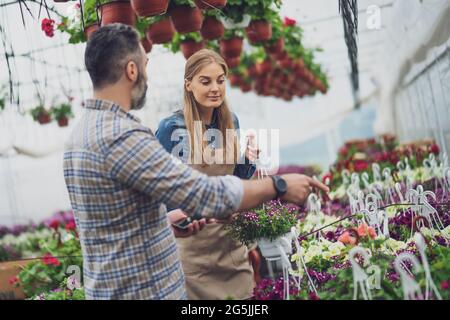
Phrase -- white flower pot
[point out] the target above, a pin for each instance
(270, 248)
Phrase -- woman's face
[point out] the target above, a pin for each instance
(208, 86)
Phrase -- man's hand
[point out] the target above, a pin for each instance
(192, 229)
(300, 186)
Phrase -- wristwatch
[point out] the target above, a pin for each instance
(280, 185)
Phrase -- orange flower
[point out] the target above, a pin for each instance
(345, 238)
(364, 230)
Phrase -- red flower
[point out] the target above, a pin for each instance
(435, 149)
(445, 285)
(327, 176)
(343, 151)
(48, 259)
(313, 296)
(288, 22)
(70, 226)
(13, 280)
(360, 165)
(54, 224)
(48, 26)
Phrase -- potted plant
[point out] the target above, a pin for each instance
(41, 115)
(269, 225)
(212, 27)
(148, 8)
(117, 11)
(188, 43)
(161, 29)
(260, 28)
(186, 16)
(142, 25)
(232, 62)
(232, 43)
(275, 45)
(210, 4)
(62, 113)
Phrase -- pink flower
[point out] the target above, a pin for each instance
(48, 260)
(363, 230)
(288, 22)
(345, 238)
(13, 280)
(48, 26)
(71, 226)
(54, 224)
(445, 285)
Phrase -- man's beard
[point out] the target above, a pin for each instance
(138, 95)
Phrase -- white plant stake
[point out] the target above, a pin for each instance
(411, 289)
(360, 278)
(420, 244)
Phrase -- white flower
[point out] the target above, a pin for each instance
(73, 283)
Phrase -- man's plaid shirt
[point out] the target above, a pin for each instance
(120, 180)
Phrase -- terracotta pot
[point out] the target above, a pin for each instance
(161, 31)
(117, 11)
(231, 48)
(286, 63)
(186, 19)
(276, 48)
(63, 122)
(90, 29)
(235, 80)
(264, 67)
(147, 44)
(148, 8)
(259, 30)
(233, 62)
(44, 118)
(212, 29)
(210, 4)
(281, 56)
(189, 47)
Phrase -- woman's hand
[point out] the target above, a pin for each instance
(193, 228)
(252, 150)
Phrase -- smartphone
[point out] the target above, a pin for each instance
(183, 223)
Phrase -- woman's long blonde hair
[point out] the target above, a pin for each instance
(194, 64)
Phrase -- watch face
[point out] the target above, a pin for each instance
(282, 185)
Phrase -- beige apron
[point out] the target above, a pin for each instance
(216, 267)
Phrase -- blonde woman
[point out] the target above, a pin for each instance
(215, 266)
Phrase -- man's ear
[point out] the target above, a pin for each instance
(131, 71)
(188, 83)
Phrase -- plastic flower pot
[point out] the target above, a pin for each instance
(233, 62)
(231, 48)
(235, 80)
(269, 248)
(246, 87)
(189, 47)
(253, 71)
(259, 30)
(117, 11)
(161, 31)
(63, 122)
(90, 29)
(210, 4)
(44, 118)
(286, 63)
(149, 8)
(212, 29)
(186, 19)
(264, 67)
(147, 44)
(275, 48)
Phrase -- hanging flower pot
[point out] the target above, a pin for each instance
(259, 30)
(186, 19)
(231, 48)
(246, 87)
(161, 31)
(117, 11)
(63, 122)
(235, 80)
(286, 63)
(212, 29)
(189, 47)
(147, 44)
(44, 118)
(275, 48)
(253, 71)
(281, 56)
(149, 8)
(210, 4)
(90, 29)
(270, 248)
(264, 67)
(233, 62)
